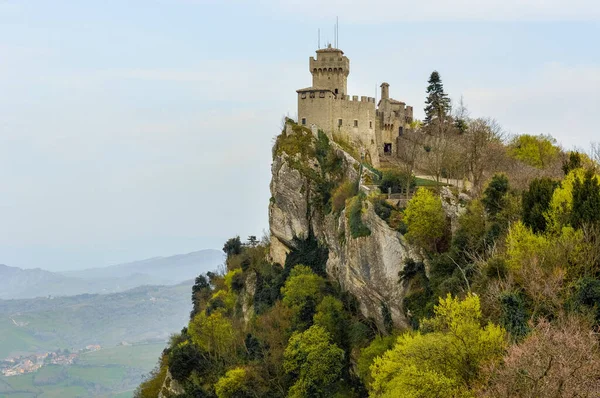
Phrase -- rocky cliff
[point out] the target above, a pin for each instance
(367, 266)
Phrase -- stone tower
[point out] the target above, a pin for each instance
(330, 70)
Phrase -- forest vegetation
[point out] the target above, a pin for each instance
(504, 302)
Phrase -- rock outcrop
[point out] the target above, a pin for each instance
(365, 266)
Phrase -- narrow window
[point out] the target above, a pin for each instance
(355, 123)
(387, 149)
(370, 124)
(336, 90)
(400, 130)
(304, 121)
(339, 122)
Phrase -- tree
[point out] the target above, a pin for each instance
(233, 385)
(301, 293)
(556, 360)
(535, 150)
(574, 161)
(314, 362)
(201, 292)
(233, 246)
(437, 104)
(535, 203)
(375, 349)
(274, 329)
(185, 358)
(396, 181)
(409, 146)
(441, 149)
(443, 363)
(494, 195)
(215, 335)
(586, 200)
(483, 149)
(333, 319)
(425, 219)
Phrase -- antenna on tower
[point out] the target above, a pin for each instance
(337, 32)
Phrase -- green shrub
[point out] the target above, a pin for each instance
(357, 228)
(396, 181)
(383, 209)
(342, 193)
(514, 315)
(185, 358)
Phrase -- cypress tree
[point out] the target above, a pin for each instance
(437, 104)
(586, 200)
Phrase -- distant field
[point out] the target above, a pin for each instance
(143, 356)
(112, 373)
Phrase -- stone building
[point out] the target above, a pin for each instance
(373, 128)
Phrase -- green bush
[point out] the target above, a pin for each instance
(342, 193)
(514, 315)
(357, 228)
(397, 181)
(185, 358)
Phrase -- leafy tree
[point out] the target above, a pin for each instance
(185, 358)
(535, 150)
(561, 204)
(586, 295)
(332, 317)
(315, 363)
(375, 349)
(514, 315)
(444, 363)
(233, 385)
(214, 334)
(396, 181)
(535, 203)
(495, 193)
(301, 293)
(586, 200)
(437, 104)
(574, 161)
(233, 246)
(200, 293)
(425, 219)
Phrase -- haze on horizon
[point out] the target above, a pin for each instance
(143, 129)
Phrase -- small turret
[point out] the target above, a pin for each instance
(385, 91)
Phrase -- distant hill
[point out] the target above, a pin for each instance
(168, 270)
(17, 283)
(146, 313)
(131, 327)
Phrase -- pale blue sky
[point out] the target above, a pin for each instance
(131, 129)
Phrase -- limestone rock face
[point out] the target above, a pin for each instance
(367, 267)
(454, 205)
(170, 387)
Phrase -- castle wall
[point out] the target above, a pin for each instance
(316, 108)
(358, 118)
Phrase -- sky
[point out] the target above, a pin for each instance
(141, 128)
